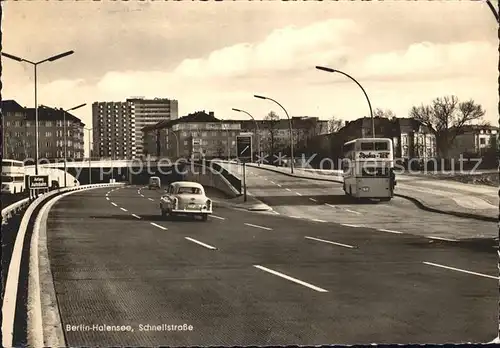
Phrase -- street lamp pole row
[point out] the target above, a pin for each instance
(35, 64)
(65, 138)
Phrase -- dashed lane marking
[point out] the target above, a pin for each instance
(136, 216)
(312, 199)
(298, 193)
(257, 226)
(295, 217)
(331, 205)
(390, 231)
(460, 270)
(151, 199)
(107, 198)
(288, 189)
(318, 220)
(123, 209)
(217, 217)
(272, 182)
(349, 225)
(114, 204)
(200, 243)
(441, 238)
(278, 185)
(330, 242)
(295, 280)
(142, 195)
(352, 211)
(156, 225)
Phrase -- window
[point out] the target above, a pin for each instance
(189, 190)
(379, 146)
(48, 124)
(204, 134)
(18, 123)
(48, 134)
(185, 142)
(482, 141)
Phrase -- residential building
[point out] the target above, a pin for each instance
(474, 140)
(197, 134)
(18, 125)
(412, 139)
(118, 125)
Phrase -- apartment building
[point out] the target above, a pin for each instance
(199, 134)
(18, 127)
(118, 126)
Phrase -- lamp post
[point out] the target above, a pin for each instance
(176, 140)
(65, 137)
(90, 156)
(257, 128)
(290, 126)
(353, 79)
(35, 64)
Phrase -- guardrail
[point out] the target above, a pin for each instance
(10, 300)
(13, 209)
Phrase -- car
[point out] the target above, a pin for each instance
(154, 182)
(185, 198)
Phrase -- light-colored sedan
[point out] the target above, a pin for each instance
(185, 198)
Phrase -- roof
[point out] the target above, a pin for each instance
(46, 113)
(10, 106)
(187, 184)
(476, 127)
(198, 116)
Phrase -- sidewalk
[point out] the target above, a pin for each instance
(252, 203)
(445, 197)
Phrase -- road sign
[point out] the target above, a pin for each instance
(244, 147)
(38, 182)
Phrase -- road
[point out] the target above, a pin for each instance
(247, 278)
(311, 199)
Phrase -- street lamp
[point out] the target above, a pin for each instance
(257, 128)
(352, 78)
(90, 157)
(35, 64)
(176, 139)
(289, 124)
(65, 135)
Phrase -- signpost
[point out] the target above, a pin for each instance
(38, 183)
(244, 153)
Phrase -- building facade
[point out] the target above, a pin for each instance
(18, 130)
(198, 134)
(118, 126)
(474, 140)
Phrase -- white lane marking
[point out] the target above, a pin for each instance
(352, 211)
(446, 239)
(142, 195)
(298, 193)
(107, 198)
(459, 270)
(217, 217)
(288, 189)
(114, 204)
(295, 217)
(312, 199)
(330, 242)
(151, 199)
(163, 228)
(295, 280)
(318, 220)
(390, 231)
(349, 225)
(200, 243)
(278, 185)
(272, 182)
(107, 194)
(136, 216)
(123, 209)
(257, 226)
(330, 205)
(275, 212)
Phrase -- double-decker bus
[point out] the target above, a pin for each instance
(13, 176)
(368, 168)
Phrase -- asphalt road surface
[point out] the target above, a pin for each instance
(246, 278)
(311, 199)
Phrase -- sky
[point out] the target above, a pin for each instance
(215, 56)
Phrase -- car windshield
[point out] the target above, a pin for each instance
(189, 190)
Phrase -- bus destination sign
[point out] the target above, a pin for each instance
(384, 154)
(39, 181)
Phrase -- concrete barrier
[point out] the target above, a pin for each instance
(210, 178)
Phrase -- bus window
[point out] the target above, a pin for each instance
(382, 172)
(379, 146)
(6, 178)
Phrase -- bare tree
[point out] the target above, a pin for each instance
(271, 122)
(387, 113)
(446, 118)
(335, 124)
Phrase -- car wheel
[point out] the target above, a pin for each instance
(163, 213)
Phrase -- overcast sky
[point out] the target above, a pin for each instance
(217, 55)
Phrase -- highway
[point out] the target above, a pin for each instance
(312, 199)
(248, 278)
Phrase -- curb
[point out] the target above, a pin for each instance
(415, 201)
(252, 207)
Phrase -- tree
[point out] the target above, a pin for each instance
(271, 122)
(446, 118)
(387, 113)
(335, 124)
